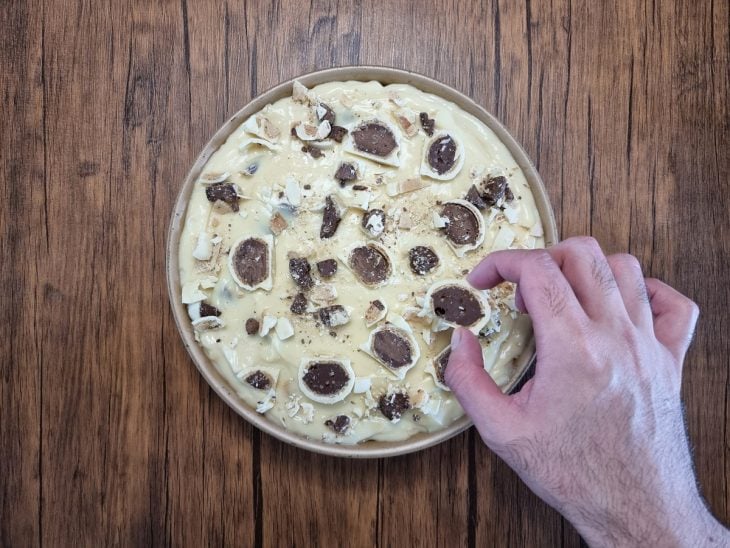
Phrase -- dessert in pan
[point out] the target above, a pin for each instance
(324, 250)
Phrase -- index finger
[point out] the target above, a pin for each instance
(547, 295)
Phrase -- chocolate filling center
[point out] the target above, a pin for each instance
(369, 264)
(326, 378)
(251, 261)
(394, 405)
(442, 154)
(393, 349)
(463, 226)
(457, 305)
(259, 380)
(374, 138)
(422, 259)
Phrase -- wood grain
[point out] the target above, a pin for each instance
(109, 436)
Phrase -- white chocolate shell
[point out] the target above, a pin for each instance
(468, 307)
(460, 248)
(334, 376)
(387, 335)
(435, 172)
(249, 279)
(213, 178)
(261, 127)
(391, 158)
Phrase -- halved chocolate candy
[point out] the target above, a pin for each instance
(464, 228)
(370, 264)
(394, 347)
(300, 271)
(327, 268)
(313, 151)
(225, 192)
(331, 218)
(373, 222)
(443, 157)
(393, 405)
(250, 262)
(326, 380)
(208, 310)
(456, 305)
(259, 380)
(339, 424)
(374, 138)
(437, 368)
(422, 259)
(442, 154)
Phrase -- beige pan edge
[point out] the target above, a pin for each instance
(385, 75)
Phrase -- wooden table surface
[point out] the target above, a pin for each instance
(108, 434)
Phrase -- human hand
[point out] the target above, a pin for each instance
(598, 432)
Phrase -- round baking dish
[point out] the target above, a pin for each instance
(370, 449)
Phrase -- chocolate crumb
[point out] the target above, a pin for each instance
(427, 123)
(307, 187)
(337, 133)
(475, 199)
(327, 268)
(333, 334)
(225, 192)
(259, 380)
(374, 138)
(422, 259)
(313, 151)
(252, 326)
(346, 172)
(508, 195)
(209, 310)
(330, 219)
(339, 425)
(300, 271)
(359, 187)
(299, 304)
(394, 405)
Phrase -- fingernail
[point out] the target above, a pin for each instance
(455, 338)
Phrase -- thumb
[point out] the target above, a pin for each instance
(475, 389)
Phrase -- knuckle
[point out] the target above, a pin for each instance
(627, 261)
(588, 242)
